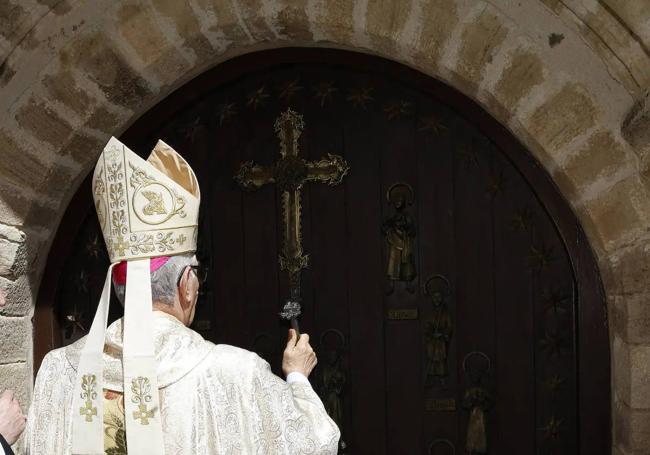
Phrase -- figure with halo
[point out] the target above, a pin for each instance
(438, 331)
(399, 233)
(477, 400)
(333, 378)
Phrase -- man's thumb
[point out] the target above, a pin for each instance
(292, 338)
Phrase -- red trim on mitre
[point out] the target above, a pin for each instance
(119, 270)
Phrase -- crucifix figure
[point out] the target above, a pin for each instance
(290, 173)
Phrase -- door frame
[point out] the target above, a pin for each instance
(594, 390)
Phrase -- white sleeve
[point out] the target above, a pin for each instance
(294, 376)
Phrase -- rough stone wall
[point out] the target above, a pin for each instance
(568, 77)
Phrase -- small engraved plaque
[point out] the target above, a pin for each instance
(202, 325)
(403, 314)
(440, 405)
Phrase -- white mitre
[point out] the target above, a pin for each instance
(146, 209)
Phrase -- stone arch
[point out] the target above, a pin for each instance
(563, 76)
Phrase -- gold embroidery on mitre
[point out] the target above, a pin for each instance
(151, 198)
(156, 205)
(141, 388)
(100, 203)
(142, 207)
(116, 198)
(88, 386)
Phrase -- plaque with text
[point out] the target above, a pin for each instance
(405, 314)
(440, 405)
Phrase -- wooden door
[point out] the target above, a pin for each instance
(490, 334)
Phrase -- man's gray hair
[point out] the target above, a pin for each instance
(163, 280)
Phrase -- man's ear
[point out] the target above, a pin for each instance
(184, 289)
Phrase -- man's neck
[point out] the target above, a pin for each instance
(171, 310)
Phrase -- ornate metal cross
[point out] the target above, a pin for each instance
(290, 173)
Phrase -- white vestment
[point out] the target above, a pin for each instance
(214, 399)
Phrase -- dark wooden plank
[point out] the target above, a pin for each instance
(515, 346)
(437, 256)
(224, 202)
(554, 297)
(474, 253)
(403, 338)
(594, 398)
(260, 223)
(366, 393)
(328, 250)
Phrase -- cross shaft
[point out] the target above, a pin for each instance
(290, 173)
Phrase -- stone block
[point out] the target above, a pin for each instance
(24, 398)
(14, 204)
(137, 26)
(11, 15)
(554, 5)
(621, 370)
(251, 13)
(602, 155)
(18, 165)
(104, 65)
(337, 20)
(104, 120)
(632, 374)
(291, 20)
(6, 72)
(524, 71)
(631, 69)
(480, 40)
(439, 18)
(635, 128)
(84, 149)
(38, 118)
(12, 233)
(63, 88)
(615, 215)
(17, 377)
(58, 7)
(640, 377)
(384, 20)
(20, 295)
(14, 336)
(633, 317)
(228, 24)
(41, 214)
(13, 259)
(565, 115)
(59, 183)
(187, 26)
(635, 15)
(631, 429)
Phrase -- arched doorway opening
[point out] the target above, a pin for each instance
(501, 316)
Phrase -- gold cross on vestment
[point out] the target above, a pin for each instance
(88, 411)
(143, 414)
(290, 173)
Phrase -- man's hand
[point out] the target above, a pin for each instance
(298, 355)
(12, 420)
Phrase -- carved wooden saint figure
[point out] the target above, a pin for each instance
(333, 380)
(477, 401)
(438, 331)
(399, 232)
